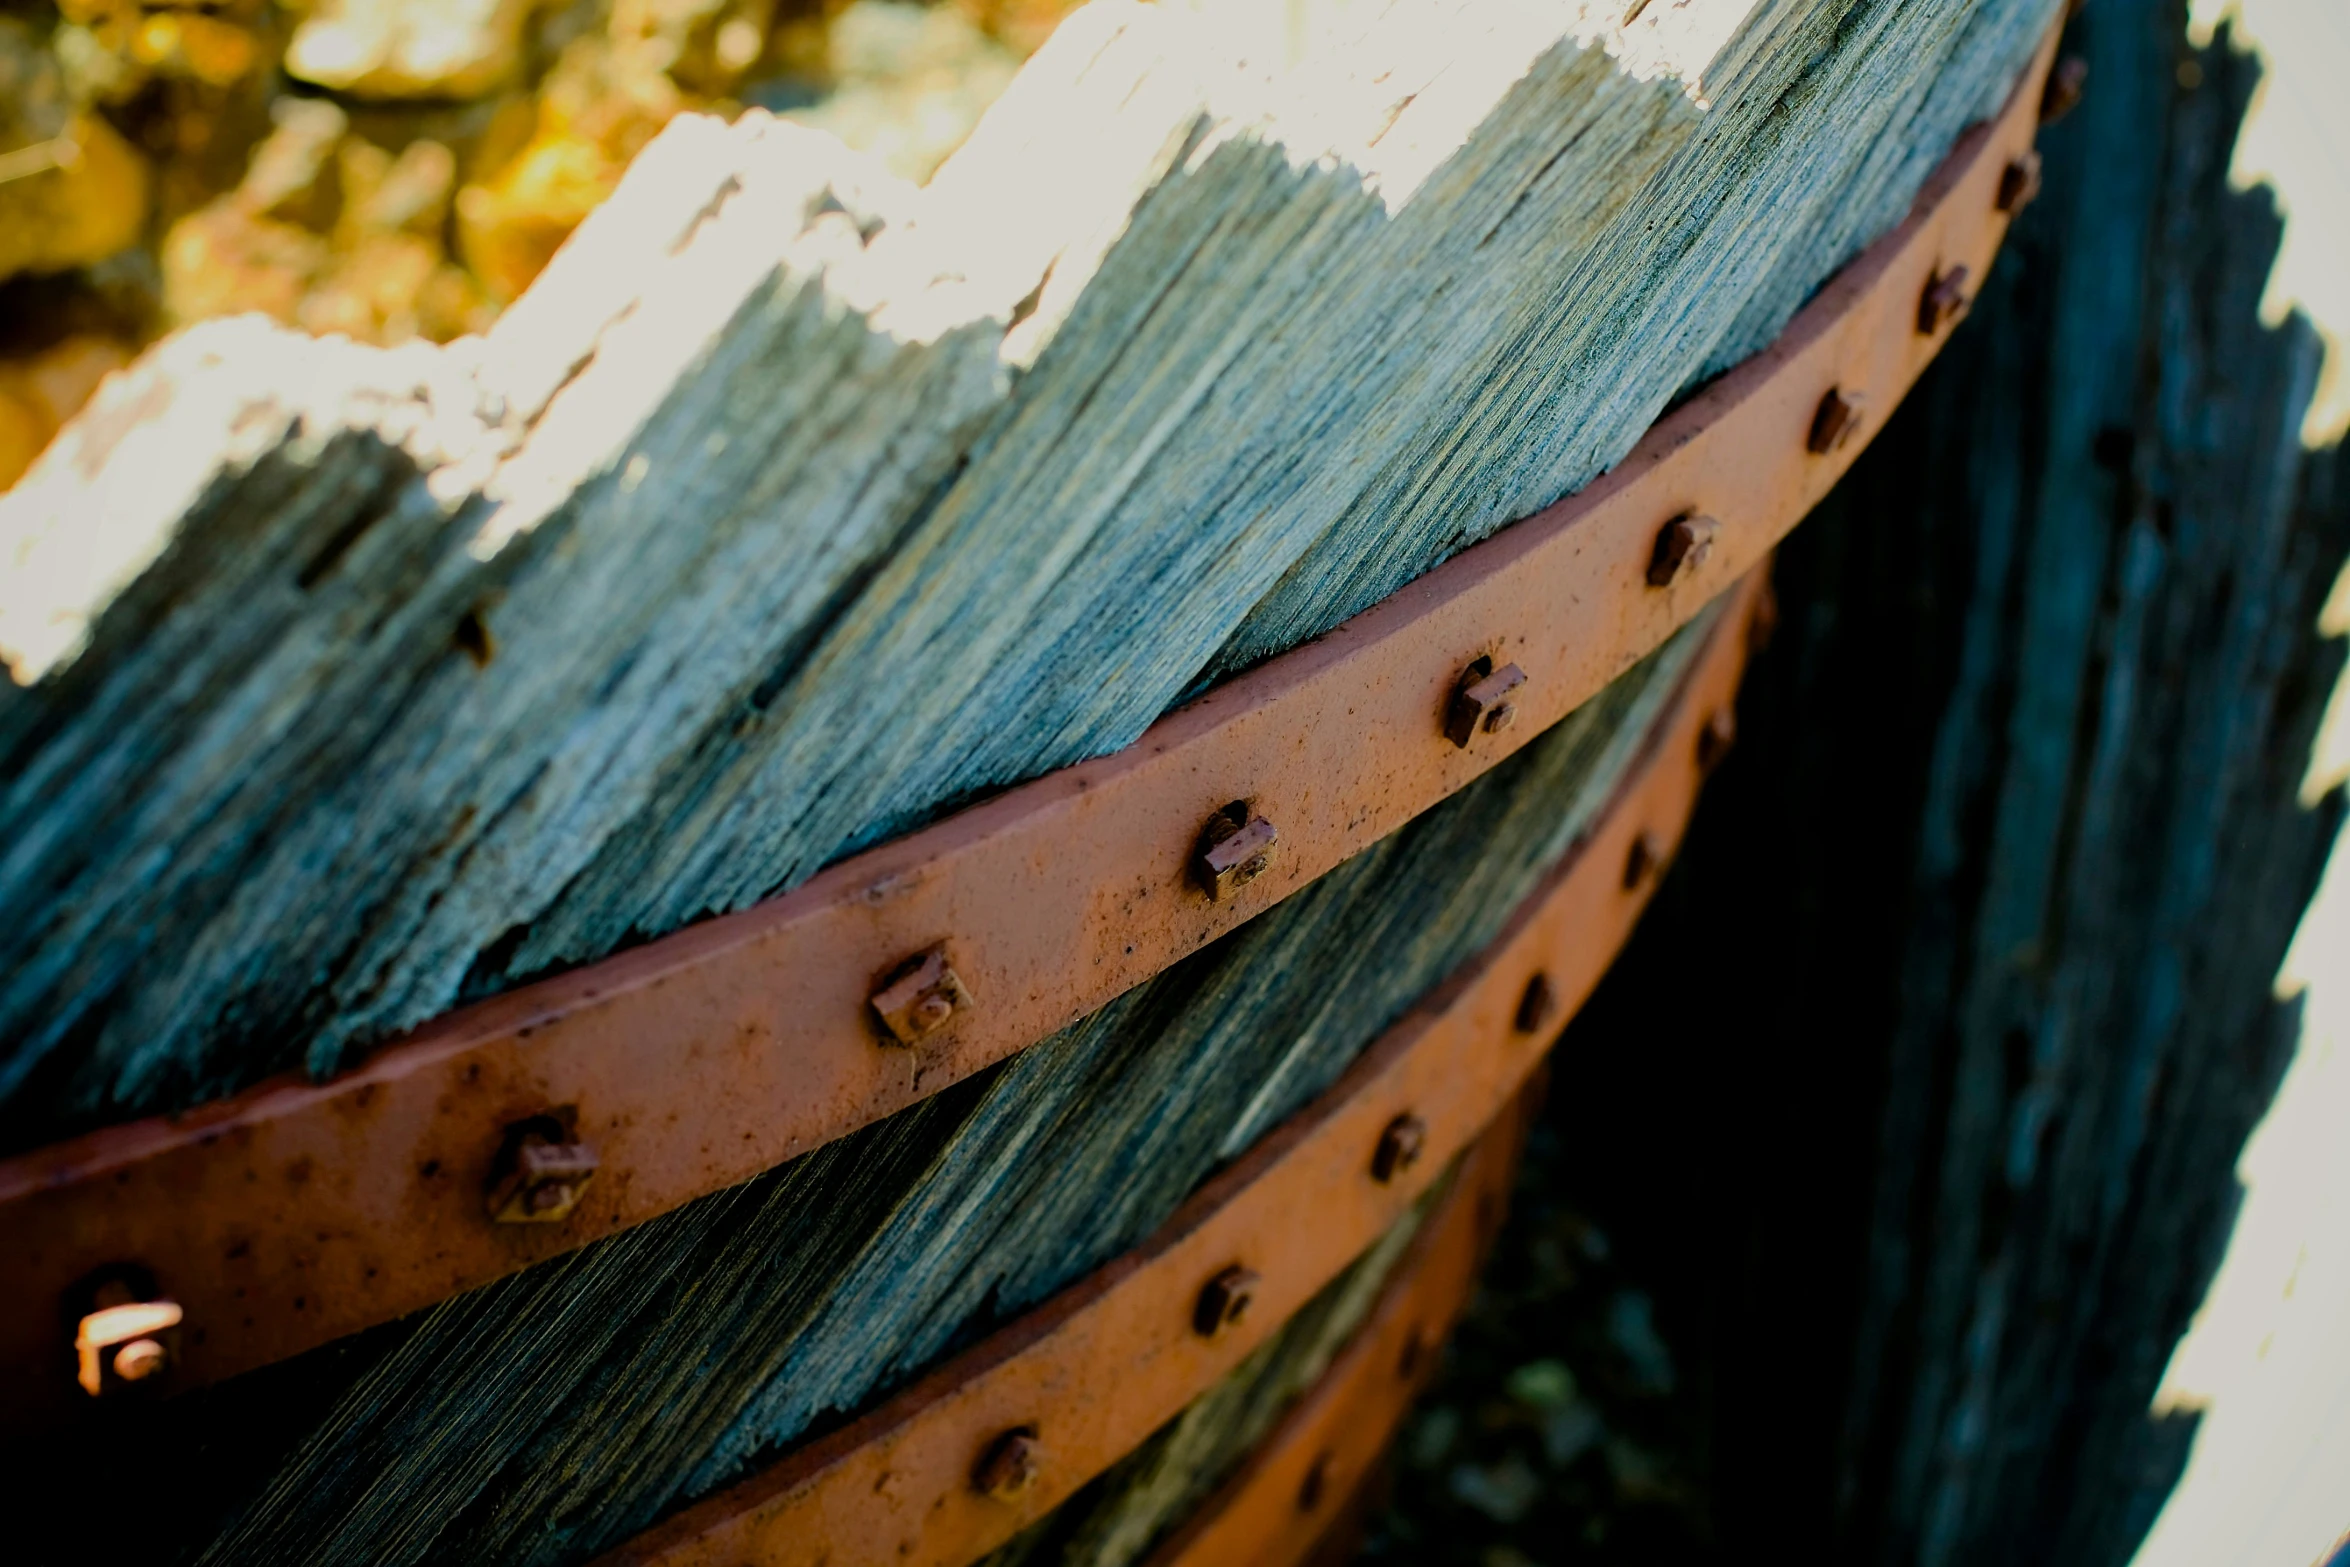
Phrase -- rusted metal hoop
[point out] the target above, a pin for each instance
(1087, 1376)
(1292, 1493)
(297, 1213)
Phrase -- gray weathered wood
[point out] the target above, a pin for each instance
(793, 506)
(550, 1415)
(1994, 894)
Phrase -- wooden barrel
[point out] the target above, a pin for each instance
(1087, 1175)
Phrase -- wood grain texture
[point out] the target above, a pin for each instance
(793, 505)
(552, 1415)
(2013, 849)
(1118, 1517)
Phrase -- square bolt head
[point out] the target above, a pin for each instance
(2019, 182)
(1682, 546)
(1316, 1484)
(118, 1346)
(1400, 1143)
(540, 1182)
(1835, 423)
(1481, 702)
(1224, 1300)
(1944, 300)
(1010, 1464)
(1642, 859)
(1537, 1005)
(1714, 740)
(2062, 95)
(921, 996)
(1235, 848)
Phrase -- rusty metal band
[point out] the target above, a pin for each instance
(1082, 1380)
(297, 1213)
(1293, 1492)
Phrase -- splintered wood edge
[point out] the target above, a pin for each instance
(296, 1213)
(1095, 1370)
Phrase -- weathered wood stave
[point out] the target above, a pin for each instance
(232, 1544)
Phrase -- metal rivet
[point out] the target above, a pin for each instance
(1537, 1006)
(1235, 848)
(1224, 1300)
(1399, 1147)
(1479, 701)
(540, 1174)
(1835, 422)
(118, 1345)
(920, 996)
(1682, 546)
(2019, 182)
(1641, 860)
(1716, 738)
(1317, 1481)
(1943, 300)
(2063, 92)
(1010, 1465)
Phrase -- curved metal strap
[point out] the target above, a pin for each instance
(297, 1213)
(1082, 1380)
(1298, 1486)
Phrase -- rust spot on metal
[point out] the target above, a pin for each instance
(1235, 848)
(1537, 1005)
(921, 996)
(540, 1174)
(1010, 1464)
(1400, 1142)
(1481, 702)
(1682, 545)
(2066, 83)
(1836, 421)
(1224, 1300)
(1716, 738)
(2019, 182)
(1641, 860)
(1943, 301)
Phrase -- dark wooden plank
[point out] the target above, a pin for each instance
(1996, 889)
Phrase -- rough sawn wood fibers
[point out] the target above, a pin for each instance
(548, 1416)
(793, 505)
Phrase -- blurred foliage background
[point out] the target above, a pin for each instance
(395, 169)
